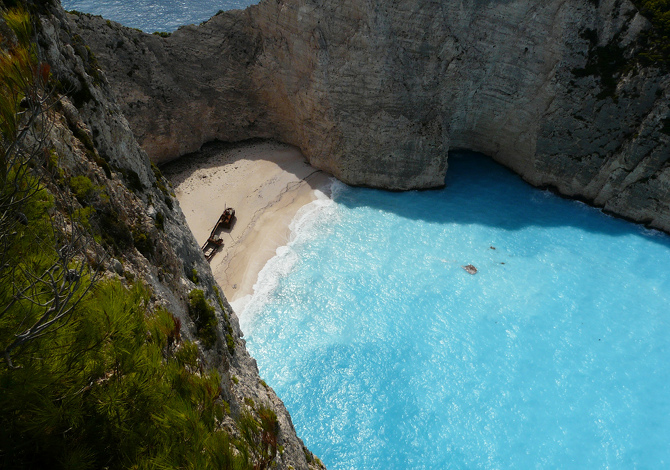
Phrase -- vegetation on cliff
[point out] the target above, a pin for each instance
(610, 61)
(93, 373)
(657, 39)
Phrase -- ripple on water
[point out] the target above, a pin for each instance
(155, 15)
(389, 355)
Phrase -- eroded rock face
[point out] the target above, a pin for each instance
(92, 137)
(377, 92)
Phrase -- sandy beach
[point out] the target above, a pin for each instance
(265, 182)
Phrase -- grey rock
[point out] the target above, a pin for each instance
(470, 269)
(377, 92)
(116, 266)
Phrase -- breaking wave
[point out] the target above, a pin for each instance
(312, 220)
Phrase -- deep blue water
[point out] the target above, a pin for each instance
(389, 355)
(156, 15)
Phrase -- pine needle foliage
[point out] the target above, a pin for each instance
(117, 389)
(39, 288)
(112, 387)
(93, 375)
(261, 434)
(657, 39)
(202, 313)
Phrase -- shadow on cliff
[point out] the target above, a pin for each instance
(479, 191)
(214, 154)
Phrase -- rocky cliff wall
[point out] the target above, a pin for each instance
(377, 92)
(92, 138)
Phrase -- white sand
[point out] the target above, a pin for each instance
(265, 182)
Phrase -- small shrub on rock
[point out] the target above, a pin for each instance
(202, 313)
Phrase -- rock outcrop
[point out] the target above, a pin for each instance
(377, 93)
(92, 138)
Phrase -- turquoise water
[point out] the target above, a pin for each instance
(389, 355)
(156, 15)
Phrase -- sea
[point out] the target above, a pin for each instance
(155, 15)
(389, 354)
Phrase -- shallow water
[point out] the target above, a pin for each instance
(155, 15)
(388, 354)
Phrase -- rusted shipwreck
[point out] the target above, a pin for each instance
(225, 220)
(211, 246)
(213, 243)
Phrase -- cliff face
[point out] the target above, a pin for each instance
(376, 93)
(93, 139)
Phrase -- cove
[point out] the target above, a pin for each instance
(388, 354)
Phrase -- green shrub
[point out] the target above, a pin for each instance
(260, 434)
(87, 193)
(656, 40)
(160, 221)
(114, 232)
(83, 137)
(104, 164)
(606, 63)
(202, 314)
(83, 217)
(230, 343)
(143, 243)
(104, 392)
(188, 355)
(83, 188)
(161, 185)
(133, 180)
(52, 165)
(157, 172)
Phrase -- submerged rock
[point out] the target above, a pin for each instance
(470, 269)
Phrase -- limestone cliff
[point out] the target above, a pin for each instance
(378, 92)
(93, 139)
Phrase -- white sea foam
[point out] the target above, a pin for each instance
(309, 222)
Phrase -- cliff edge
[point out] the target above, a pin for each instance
(140, 240)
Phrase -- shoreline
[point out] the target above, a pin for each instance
(266, 182)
